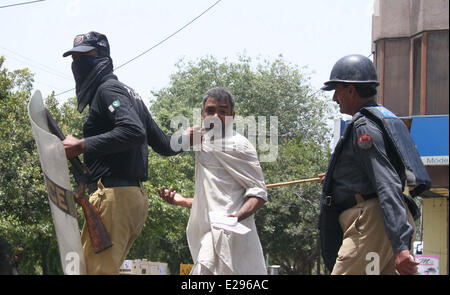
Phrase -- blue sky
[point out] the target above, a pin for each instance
(307, 33)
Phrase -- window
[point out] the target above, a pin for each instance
(396, 76)
(437, 94)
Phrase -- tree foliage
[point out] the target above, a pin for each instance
(163, 237)
(25, 219)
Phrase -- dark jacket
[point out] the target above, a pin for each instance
(117, 130)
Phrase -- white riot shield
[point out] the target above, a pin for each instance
(56, 175)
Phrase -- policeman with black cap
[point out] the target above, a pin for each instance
(117, 131)
(366, 221)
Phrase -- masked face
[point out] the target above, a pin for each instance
(88, 70)
(83, 65)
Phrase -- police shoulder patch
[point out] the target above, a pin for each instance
(114, 105)
(365, 141)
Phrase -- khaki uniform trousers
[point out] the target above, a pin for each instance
(124, 211)
(365, 247)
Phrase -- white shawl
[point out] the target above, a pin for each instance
(226, 173)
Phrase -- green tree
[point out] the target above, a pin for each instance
(25, 219)
(163, 237)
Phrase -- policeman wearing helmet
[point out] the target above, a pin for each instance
(366, 220)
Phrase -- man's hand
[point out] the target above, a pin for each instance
(171, 197)
(248, 208)
(321, 176)
(167, 195)
(404, 263)
(73, 146)
(194, 132)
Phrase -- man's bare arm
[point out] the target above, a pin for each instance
(250, 206)
(171, 197)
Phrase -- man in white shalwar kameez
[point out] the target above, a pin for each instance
(229, 188)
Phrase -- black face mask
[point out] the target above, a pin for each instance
(83, 66)
(88, 72)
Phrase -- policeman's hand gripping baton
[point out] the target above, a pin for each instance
(100, 238)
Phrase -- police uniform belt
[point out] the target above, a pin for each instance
(112, 181)
(350, 201)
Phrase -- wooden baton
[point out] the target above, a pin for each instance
(293, 182)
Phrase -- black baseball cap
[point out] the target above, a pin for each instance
(87, 42)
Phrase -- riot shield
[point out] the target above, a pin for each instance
(56, 175)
